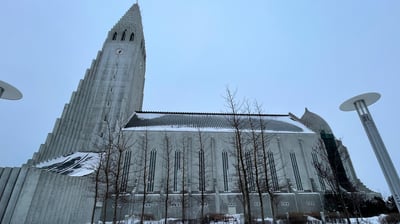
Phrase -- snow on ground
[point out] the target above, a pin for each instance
(310, 220)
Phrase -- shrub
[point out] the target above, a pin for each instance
(392, 218)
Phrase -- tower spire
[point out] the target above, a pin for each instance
(115, 84)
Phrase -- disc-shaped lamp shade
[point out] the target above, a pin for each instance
(369, 98)
(9, 92)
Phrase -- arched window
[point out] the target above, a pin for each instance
(123, 35)
(114, 36)
(132, 37)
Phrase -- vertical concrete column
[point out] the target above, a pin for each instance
(4, 179)
(24, 202)
(15, 195)
(8, 190)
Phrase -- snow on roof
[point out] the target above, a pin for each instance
(75, 164)
(213, 122)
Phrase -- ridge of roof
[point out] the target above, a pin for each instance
(210, 113)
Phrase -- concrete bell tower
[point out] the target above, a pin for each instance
(111, 91)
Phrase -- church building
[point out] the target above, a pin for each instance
(175, 164)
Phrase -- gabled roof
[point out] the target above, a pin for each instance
(183, 121)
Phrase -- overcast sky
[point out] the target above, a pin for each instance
(287, 55)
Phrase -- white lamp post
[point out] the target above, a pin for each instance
(360, 103)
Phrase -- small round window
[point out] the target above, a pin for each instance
(119, 51)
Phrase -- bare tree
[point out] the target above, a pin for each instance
(121, 147)
(120, 144)
(109, 181)
(265, 179)
(103, 170)
(167, 160)
(267, 161)
(204, 170)
(141, 183)
(328, 173)
(236, 121)
(255, 144)
(96, 179)
(183, 179)
(258, 170)
(202, 173)
(107, 169)
(144, 147)
(357, 200)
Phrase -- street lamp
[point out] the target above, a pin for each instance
(9, 92)
(360, 103)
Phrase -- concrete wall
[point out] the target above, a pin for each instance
(30, 195)
(215, 143)
(289, 198)
(230, 203)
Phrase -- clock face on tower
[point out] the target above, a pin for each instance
(119, 51)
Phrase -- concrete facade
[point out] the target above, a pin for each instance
(291, 153)
(297, 184)
(30, 195)
(110, 97)
(111, 91)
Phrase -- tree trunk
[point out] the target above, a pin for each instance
(235, 121)
(202, 176)
(145, 148)
(116, 186)
(168, 154)
(183, 182)
(96, 188)
(107, 176)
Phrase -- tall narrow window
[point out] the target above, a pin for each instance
(225, 168)
(114, 37)
(249, 169)
(123, 35)
(296, 171)
(125, 170)
(152, 170)
(202, 177)
(272, 170)
(321, 181)
(132, 37)
(177, 167)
